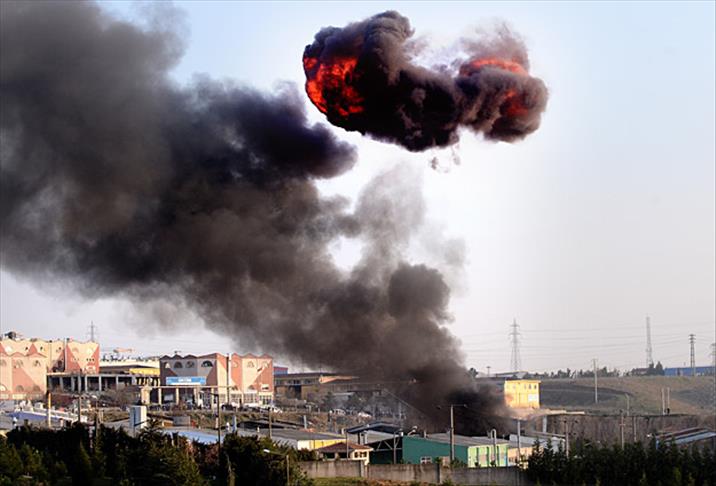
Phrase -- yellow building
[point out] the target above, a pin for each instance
(522, 393)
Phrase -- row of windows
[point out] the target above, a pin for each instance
(19, 363)
(189, 364)
(205, 364)
(20, 388)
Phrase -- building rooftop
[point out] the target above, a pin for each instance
(464, 440)
(290, 434)
(339, 447)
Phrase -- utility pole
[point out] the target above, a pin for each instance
(452, 435)
(519, 442)
(566, 437)
(692, 341)
(515, 361)
(713, 365)
(663, 402)
(270, 431)
(452, 429)
(48, 405)
(621, 428)
(596, 385)
(649, 358)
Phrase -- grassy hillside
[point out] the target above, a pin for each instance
(688, 395)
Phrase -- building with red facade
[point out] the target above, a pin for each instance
(234, 378)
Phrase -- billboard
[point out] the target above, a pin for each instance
(186, 380)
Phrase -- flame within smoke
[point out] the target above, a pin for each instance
(117, 182)
(361, 78)
(333, 82)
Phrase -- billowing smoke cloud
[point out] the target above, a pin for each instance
(120, 183)
(362, 78)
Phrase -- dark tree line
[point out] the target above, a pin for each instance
(76, 456)
(635, 465)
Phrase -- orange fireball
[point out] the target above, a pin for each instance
(329, 85)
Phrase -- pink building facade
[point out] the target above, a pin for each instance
(25, 363)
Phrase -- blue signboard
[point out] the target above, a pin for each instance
(186, 380)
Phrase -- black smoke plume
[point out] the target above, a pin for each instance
(118, 182)
(363, 78)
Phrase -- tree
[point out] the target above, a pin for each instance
(252, 466)
(10, 462)
(82, 467)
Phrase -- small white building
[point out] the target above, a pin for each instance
(352, 451)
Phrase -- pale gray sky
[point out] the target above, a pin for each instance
(604, 215)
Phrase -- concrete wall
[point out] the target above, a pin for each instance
(429, 473)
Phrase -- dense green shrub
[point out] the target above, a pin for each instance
(634, 465)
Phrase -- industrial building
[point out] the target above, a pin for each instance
(137, 376)
(521, 393)
(416, 449)
(216, 378)
(305, 386)
(686, 371)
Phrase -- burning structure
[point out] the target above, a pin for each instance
(115, 181)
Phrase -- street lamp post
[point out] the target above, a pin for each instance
(288, 467)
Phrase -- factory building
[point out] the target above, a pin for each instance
(206, 379)
(687, 371)
(306, 386)
(416, 449)
(521, 393)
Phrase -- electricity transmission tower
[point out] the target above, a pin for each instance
(515, 361)
(692, 341)
(92, 332)
(649, 358)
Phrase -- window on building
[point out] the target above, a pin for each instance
(36, 388)
(426, 460)
(189, 364)
(250, 364)
(207, 364)
(19, 364)
(264, 386)
(19, 388)
(167, 365)
(178, 365)
(3, 362)
(37, 363)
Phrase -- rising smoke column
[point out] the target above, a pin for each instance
(115, 181)
(362, 78)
